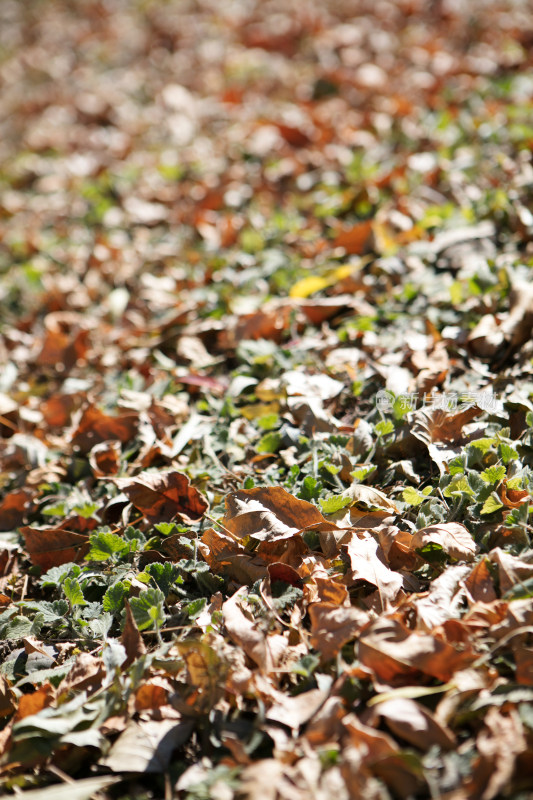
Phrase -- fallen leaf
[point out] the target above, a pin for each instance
(104, 458)
(367, 564)
(397, 656)
(354, 240)
(146, 746)
(152, 694)
(296, 711)
(498, 743)
(225, 555)
(480, 583)
(8, 698)
(415, 724)
(246, 633)
(131, 639)
(162, 496)
(81, 789)
(279, 571)
(454, 539)
(51, 547)
(95, 427)
(29, 704)
(268, 513)
(332, 627)
(13, 508)
(86, 674)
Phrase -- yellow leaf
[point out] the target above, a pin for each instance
(308, 286)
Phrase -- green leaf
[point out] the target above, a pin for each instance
(86, 510)
(163, 575)
(361, 473)
(491, 504)
(457, 465)
(270, 442)
(195, 608)
(458, 485)
(384, 427)
(105, 545)
(268, 422)
(507, 453)
(412, 496)
(52, 611)
(113, 600)
(148, 609)
(73, 592)
(494, 474)
(17, 628)
(166, 528)
(335, 503)
(311, 488)
(56, 575)
(483, 445)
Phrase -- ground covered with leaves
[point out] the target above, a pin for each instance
(266, 427)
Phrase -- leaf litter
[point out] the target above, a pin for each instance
(266, 410)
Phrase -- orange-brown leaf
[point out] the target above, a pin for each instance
(268, 513)
(162, 496)
(397, 655)
(51, 547)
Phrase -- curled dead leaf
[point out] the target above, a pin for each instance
(454, 539)
(333, 626)
(398, 656)
(162, 496)
(268, 513)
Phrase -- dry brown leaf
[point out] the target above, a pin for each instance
(131, 639)
(354, 240)
(30, 704)
(225, 555)
(331, 591)
(480, 584)
(8, 698)
(86, 674)
(104, 458)
(333, 626)
(513, 498)
(503, 336)
(397, 656)
(523, 657)
(246, 633)
(499, 743)
(51, 547)
(511, 569)
(397, 549)
(14, 508)
(268, 514)
(95, 427)
(454, 539)
(162, 496)
(367, 564)
(370, 752)
(146, 746)
(443, 601)
(415, 724)
(296, 711)
(279, 571)
(152, 694)
(66, 339)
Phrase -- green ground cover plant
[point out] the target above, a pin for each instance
(266, 399)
